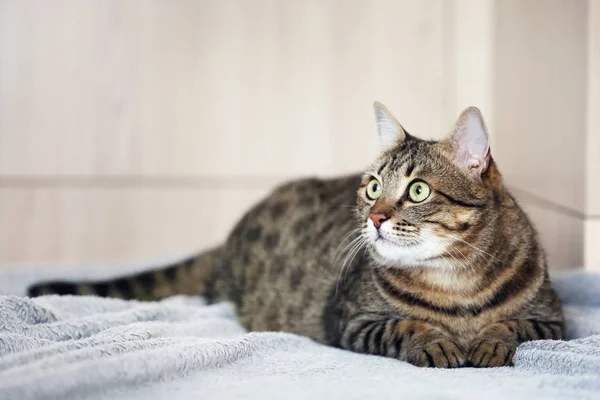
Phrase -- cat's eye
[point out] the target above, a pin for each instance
(418, 192)
(373, 189)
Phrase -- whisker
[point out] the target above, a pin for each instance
(447, 262)
(473, 246)
(445, 250)
(356, 245)
(350, 232)
(347, 249)
(468, 262)
(346, 237)
(355, 251)
(347, 246)
(457, 260)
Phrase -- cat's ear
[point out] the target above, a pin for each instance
(470, 142)
(390, 131)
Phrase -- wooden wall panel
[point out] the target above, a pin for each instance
(202, 87)
(470, 46)
(540, 97)
(112, 111)
(593, 114)
(562, 235)
(101, 224)
(592, 230)
(104, 224)
(592, 244)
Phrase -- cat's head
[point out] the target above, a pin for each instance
(422, 202)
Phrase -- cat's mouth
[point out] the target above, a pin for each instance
(401, 251)
(382, 238)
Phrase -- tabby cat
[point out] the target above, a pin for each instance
(426, 258)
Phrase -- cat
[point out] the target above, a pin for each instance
(426, 258)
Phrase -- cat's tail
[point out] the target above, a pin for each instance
(187, 277)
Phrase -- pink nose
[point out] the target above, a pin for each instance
(378, 219)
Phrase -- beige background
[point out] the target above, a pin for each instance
(592, 225)
(135, 129)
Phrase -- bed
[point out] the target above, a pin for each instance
(180, 348)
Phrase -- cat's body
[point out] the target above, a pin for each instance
(456, 277)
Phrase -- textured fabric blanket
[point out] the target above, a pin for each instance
(180, 348)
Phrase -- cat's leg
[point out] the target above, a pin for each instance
(417, 342)
(496, 344)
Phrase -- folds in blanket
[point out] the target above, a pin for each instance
(187, 277)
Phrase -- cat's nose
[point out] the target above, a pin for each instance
(378, 219)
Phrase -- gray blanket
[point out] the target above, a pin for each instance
(180, 348)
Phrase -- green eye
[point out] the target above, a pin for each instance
(418, 192)
(374, 189)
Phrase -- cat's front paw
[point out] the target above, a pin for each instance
(488, 353)
(440, 353)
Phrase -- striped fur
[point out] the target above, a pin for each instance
(188, 276)
(457, 279)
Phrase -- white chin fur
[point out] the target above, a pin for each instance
(391, 248)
